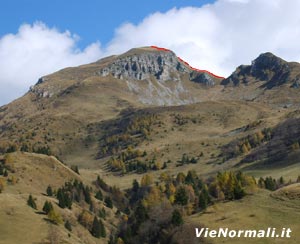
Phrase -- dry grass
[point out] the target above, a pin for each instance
(258, 211)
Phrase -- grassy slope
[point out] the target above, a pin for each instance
(21, 224)
(258, 211)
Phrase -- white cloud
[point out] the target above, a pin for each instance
(217, 37)
(220, 36)
(34, 51)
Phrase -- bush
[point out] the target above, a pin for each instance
(68, 225)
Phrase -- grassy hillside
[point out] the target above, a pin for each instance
(258, 211)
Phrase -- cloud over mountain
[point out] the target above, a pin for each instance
(34, 51)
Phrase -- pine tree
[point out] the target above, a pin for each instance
(203, 201)
(181, 196)
(5, 173)
(87, 195)
(61, 198)
(96, 228)
(176, 218)
(102, 213)
(49, 191)
(108, 202)
(135, 185)
(47, 207)
(140, 214)
(102, 229)
(31, 202)
(99, 195)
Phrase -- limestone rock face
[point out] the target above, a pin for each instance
(156, 77)
(202, 78)
(142, 66)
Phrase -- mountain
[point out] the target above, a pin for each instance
(147, 115)
(144, 75)
(269, 69)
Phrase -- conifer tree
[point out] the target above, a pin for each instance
(102, 229)
(96, 228)
(49, 191)
(47, 207)
(176, 218)
(203, 201)
(181, 196)
(99, 195)
(31, 202)
(108, 202)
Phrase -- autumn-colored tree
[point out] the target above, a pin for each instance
(85, 219)
(154, 197)
(146, 180)
(54, 217)
(180, 178)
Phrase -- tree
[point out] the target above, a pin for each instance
(49, 191)
(135, 185)
(102, 213)
(87, 195)
(31, 202)
(99, 195)
(181, 196)
(64, 199)
(238, 191)
(5, 173)
(108, 202)
(102, 229)
(96, 228)
(176, 218)
(68, 225)
(146, 180)
(180, 178)
(54, 217)
(47, 207)
(140, 214)
(203, 201)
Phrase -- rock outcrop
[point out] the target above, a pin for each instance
(267, 68)
(142, 66)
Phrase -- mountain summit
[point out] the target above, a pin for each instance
(154, 76)
(269, 69)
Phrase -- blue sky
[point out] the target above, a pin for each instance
(91, 19)
(39, 37)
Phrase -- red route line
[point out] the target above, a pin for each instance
(187, 64)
